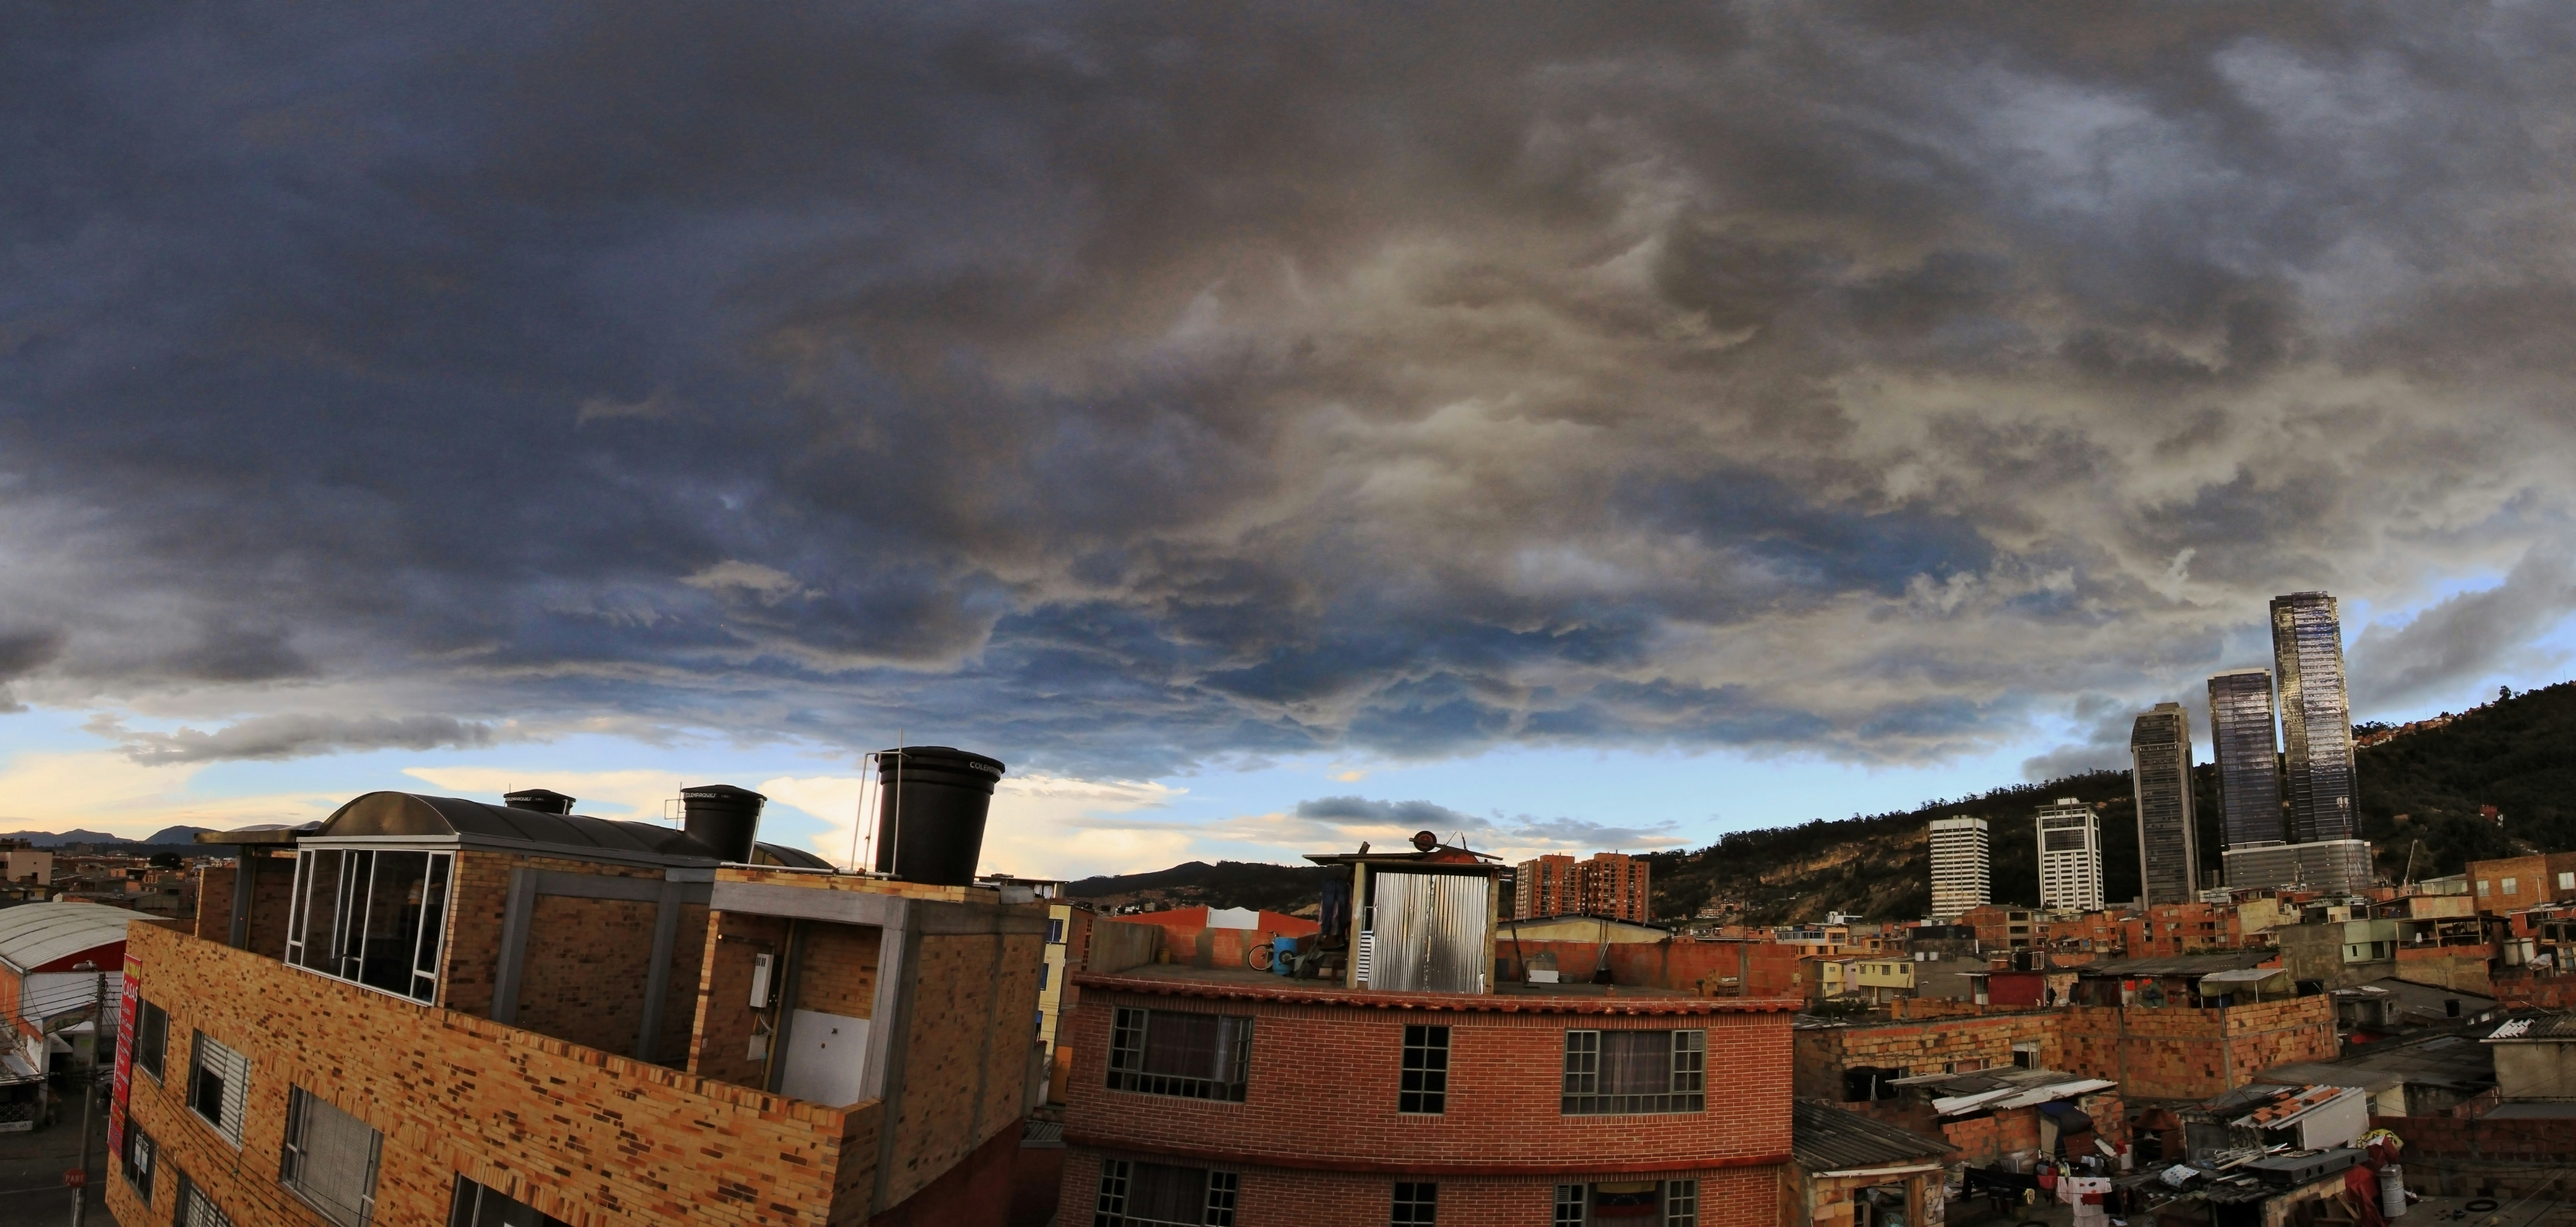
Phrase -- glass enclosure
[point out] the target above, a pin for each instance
(374, 917)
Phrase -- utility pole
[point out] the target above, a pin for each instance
(89, 1093)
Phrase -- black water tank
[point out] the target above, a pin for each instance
(722, 817)
(541, 800)
(932, 801)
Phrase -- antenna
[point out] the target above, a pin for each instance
(894, 855)
(860, 823)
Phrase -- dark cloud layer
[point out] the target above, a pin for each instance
(1121, 386)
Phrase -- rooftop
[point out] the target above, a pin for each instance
(513, 830)
(35, 934)
(1825, 1138)
(2180, 965)
(1244, 984)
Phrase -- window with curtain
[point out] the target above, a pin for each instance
(1167, 1052)
(330, 1159)
(1627, 1072)
(1160, 1195)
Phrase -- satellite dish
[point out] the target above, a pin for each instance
(1425, 841)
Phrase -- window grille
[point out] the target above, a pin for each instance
(218, 1086)
(1416, 1205)
(330, 1159)
(1160, 1195)
(136, 1158)
(151, 1037)
(377, 918)
(1193, 1056)
(476, 1206)
(1681, 1203)
(198, 1210)
(1425, 1085)
(1625, 1072)
(1571, 1202)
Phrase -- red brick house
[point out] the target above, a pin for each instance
(1403, 1085)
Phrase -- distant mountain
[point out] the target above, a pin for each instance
(178, 835)
(1276, 888)
(48, 839)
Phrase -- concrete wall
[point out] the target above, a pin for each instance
(2535, 1071)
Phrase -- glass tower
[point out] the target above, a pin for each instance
(2168, 850)
(2316, 717)
(2249, 766)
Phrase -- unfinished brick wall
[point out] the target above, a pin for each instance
(837, 971)
(2181, 1053)
(584, 1135)
(956, 1040)
(722, 1009)
(1921, 1046)
(2499, 1158)
(585, 972)
(1712, 968)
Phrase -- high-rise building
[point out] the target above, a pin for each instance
(2070, 857)
(2168, 849)
(1962, 866)
(2316, 717)
(1610, 884)
(2249, 759)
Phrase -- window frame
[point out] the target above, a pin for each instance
(151, 1035)
(356, 908)
(296, 1150)
(1130, 1037)
(1686, 1076)
(1573, 1206)
(229, 1101)
(135, 1138)
(466, 1203)
(1221, 1194)
(191, 1196)
(1422, 1078)
(1414, 1203)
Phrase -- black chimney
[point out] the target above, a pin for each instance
(932, 801)
(722, 817)
(540, 800)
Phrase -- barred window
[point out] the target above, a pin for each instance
(476, 1206)
(151, 1037)
(1571, 1200)
(1165, 1052)
(1425, 1086)
(1160, 1195)
(198, 1210)
(136, 1158)
(1415, 1205)
(330, 1159)
(218, 1086)
(1624, 1072)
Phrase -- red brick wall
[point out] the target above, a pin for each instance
(1324, 1081)
(2182, 1053)
(1280, 1197)
(1690, 966)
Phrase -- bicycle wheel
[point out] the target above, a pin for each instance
(1259, 957)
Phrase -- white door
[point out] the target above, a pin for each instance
(825, 1055)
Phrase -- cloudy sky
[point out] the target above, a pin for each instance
(1262, 427)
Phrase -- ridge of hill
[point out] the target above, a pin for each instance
(2419, 793)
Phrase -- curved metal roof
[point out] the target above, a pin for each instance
(402, 813)
(34, 934)
(792, 858)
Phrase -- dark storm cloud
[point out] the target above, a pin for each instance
(2464, 638)
(1519, 831)
(1118, 387)
(296, 736)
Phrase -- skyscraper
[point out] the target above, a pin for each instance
(1962, 866)
(2168, 847)
(2070, 856)
(2316, 717)
(2249, 765)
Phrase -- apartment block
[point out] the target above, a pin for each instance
(2070, 857)
(1962, 866)
(2168, 838)
(1608, 884)
(437, 1010)
(1395, 1081)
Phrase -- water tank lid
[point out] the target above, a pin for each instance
(983, 762)
(725, 792)
(540, 800)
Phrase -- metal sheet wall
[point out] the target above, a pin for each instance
(1430, 934)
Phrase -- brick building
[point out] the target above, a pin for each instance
(2512, 882)
(1400, 1084)
(1610, 884)
(2165, 930)
(433, 1010)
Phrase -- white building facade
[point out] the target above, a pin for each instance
(1962, 866)
(2070, 857)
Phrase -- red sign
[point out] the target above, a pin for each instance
(126, 1001)
(75, 1178)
